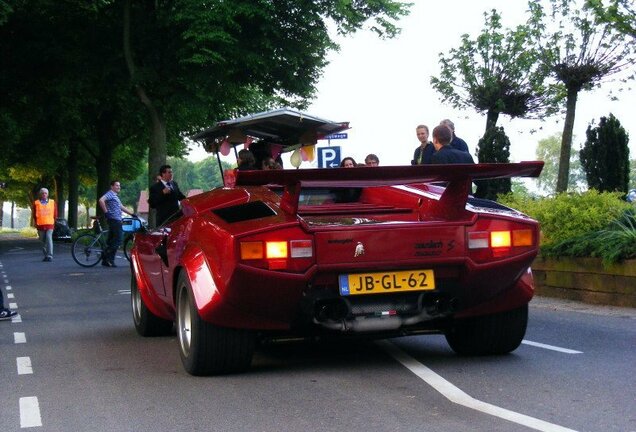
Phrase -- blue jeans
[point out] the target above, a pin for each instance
(46, 237)
(115, 236)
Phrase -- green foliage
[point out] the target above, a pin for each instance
(580, 52)
(614, 243)
(620, 13)
(499, 72)
(548, 150)
(566, 216)
(605, 156)
(493, 147)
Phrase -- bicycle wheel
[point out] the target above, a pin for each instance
(87, 250)
(128, 244)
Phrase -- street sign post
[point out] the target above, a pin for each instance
(329, 157)
(336, 136)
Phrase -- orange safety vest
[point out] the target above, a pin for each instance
(45, 213)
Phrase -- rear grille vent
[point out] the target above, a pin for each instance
(243, 212)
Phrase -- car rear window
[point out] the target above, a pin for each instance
(243, 212)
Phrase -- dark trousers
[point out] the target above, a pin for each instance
(115, 236)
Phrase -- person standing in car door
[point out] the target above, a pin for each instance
(164, 195)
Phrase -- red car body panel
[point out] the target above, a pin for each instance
(402, 220)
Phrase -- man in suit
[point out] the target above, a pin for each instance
(456, 142)
(164, 195)
(444, 153)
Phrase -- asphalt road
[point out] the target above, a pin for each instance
(73, 362)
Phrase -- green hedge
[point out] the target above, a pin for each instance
(567, 216)
(614, 243)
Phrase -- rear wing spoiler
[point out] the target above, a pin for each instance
(458, 176)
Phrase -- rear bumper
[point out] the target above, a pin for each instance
(267, 300)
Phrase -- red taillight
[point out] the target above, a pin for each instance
(290, 255)
(493, 240)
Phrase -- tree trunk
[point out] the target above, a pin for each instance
(73, 184)
(1, 212)
(491, 120)
(60, 200)
(104, 161)
(566, 141)
(157, 148)
(12, 214)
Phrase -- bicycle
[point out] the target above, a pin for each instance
(87, 249)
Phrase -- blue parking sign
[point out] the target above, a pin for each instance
(329, 157)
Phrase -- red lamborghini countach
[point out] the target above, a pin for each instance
(378, 252)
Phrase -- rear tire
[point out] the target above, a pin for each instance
(498, 333)
(207, 349)
(147, 324)
(87, 250)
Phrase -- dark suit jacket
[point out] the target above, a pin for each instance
(459, 144)
(165, 204)
(449, 155)
(429, 149)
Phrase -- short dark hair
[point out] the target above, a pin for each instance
(442, 134)
(372, 157)
(112, 182)
(164, 168)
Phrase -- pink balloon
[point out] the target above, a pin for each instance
(304, 154)
(225, 148)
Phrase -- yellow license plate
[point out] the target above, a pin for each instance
(386, 282)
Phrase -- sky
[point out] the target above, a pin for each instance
(382, 87)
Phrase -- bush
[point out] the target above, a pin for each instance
(614, 243)
(566, 216)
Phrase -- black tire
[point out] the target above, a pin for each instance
(87, 250)
(147, 324)
(498, 333)
(207, 349)
(128, 244)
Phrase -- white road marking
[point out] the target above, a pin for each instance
(13, 305)
(6, 281)
(10, 296)
(456, 395)
(30, 412)
(19, 337)
(16, 319)
(8, 288)
(550, 347)
(123, 292)
(24, 365)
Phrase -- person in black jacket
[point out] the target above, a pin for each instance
(444, 153)
(164, 195)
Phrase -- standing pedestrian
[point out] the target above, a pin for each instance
(422, 154)
(456, 142)
(45, 214)
(112, 208)
(444, 153)
(372, 160)
(164, 195)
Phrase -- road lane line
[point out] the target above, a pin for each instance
(456, 395)
(30, 412)
(8, 288)
(19, 337)
(16, 319)
(550, 347)
(13, 305)
(10, 296)
(24, 365)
